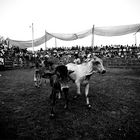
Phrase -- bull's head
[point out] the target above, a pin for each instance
(98, 65)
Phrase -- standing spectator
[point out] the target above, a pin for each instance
(77, 59)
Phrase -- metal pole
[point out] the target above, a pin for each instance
(55, 43)
(137, 31)
(135, 40)
(33, 37)
(92, 43)
(136, 36)
(45, 41)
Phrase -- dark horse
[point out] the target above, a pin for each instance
(59, 79)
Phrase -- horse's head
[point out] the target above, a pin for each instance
(61, 75)
(98, 65)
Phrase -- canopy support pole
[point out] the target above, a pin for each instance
(55, 43)
(135, 39)
(33, 37)
(135, 34)
(92, 42)
(45, 41)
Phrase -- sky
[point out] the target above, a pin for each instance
(67, 16)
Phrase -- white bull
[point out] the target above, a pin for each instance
(82, 73)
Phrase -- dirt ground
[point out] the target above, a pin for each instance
(115, 112)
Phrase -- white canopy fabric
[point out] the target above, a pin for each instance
(101, 31)
(28, 44)
(116, 30)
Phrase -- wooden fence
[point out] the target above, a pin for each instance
(131, 63)
(108, 62)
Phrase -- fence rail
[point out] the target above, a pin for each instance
(122, 63)
(129, 63)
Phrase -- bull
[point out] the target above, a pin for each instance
(82, 73)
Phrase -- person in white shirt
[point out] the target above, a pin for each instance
(77, 59)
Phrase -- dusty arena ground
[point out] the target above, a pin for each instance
(115, 113)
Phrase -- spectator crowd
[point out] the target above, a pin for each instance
(77, 54)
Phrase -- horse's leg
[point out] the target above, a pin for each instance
(65, 91)
(53, 98)
(59, 94)
(59, 91)
(38, 76)
(40, 80)
(86, 94)
(35, 79)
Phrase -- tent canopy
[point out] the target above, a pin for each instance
(101, 31)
